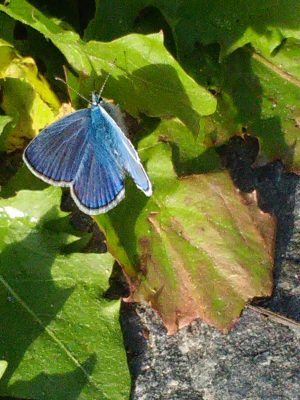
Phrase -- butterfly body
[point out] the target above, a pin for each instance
(88, 152)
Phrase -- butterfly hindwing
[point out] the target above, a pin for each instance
(56, 153)
(99, 183)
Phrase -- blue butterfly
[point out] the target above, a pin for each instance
(88, 152)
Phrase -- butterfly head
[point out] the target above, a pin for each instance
(96, 99)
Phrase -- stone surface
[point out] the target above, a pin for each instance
(258, 359)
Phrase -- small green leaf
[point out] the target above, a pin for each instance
(4, 120)
(3, 366)
(190, 154)
(5, 125)
(60, 336)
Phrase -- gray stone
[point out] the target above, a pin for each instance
(258, 359)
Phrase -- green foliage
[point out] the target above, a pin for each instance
(263, 99)
(232, 24)
(192, 74)
(61, 337)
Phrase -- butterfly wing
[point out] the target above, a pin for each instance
(56, 153)
(125, 154)
(91, 156)
(99, 183)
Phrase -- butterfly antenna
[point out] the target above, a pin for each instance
(75, 91)
(106, 79)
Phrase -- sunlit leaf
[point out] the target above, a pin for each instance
(27, 98)
(60, 336)
(3, 366)
(197, 248)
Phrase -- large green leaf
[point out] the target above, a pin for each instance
(60, 336)
(196, 248)
(145, 77)
(232, 24)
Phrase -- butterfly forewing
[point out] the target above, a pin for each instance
(56, 153)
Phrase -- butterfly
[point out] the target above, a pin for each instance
(88, 152)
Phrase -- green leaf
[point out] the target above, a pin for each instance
(7, 55)
(232, 24)
(136, 79)
(196, 248)
(3, 366)
(60, 336)
(190, 154)
(5, 121)
(27, 98)
(66, 40)
(23, 179)
(113, 19)
(7, 26)
(137, 83)
(29, 41)
(287, 59)
(260, 96)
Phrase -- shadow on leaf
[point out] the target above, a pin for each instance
(30, 300)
